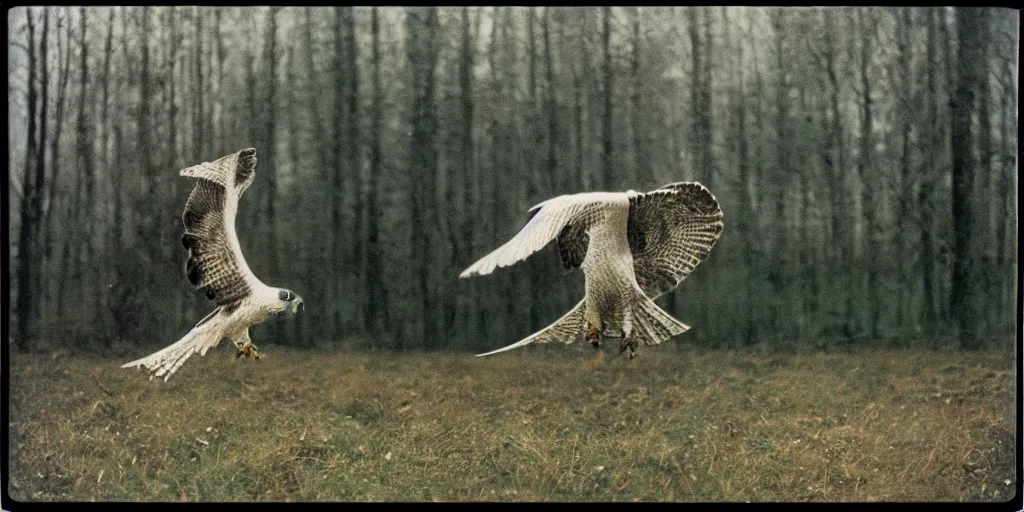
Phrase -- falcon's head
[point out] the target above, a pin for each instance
(287, 300)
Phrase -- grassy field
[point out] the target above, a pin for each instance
(560, 423)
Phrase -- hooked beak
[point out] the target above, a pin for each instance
(297, 306)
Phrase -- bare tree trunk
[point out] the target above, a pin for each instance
(470, 179)
(929, 313)
(971, 39)
(25, 309)
(607, 174)
(494, 207)
(173, 159)
(1006, 251)
(779, 274)
(865, 165)
(581, 181)
(745, 225)
(905, 195)
(221, 95)
(835, 168)
(641, 161)
(338, 181)
(377, 300)
(269, 144)
(66, 267)
(987, 265)
(84, 143)
(707, 162)
(42, 256)
(422, 30)
(199, 114)
(292, 82)
(536, 178)
(355, 162)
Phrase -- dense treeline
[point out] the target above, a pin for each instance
(865, 159)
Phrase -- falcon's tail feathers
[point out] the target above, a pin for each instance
(167, 361)
(653, 325)
(565, 329)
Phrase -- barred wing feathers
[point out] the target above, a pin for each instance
(671, 230)
(215, 263)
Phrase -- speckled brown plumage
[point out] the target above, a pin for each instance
(671, 231)
(211, 265)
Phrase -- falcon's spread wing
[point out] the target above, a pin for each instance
(566, 217)
(671, 230)
(215, 264)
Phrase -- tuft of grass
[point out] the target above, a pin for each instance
(565, 425)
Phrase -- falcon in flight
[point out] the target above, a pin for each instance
(216, 266)
(633, 248)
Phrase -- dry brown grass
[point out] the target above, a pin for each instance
(565, 424)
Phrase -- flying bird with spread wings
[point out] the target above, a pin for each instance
(215, 266)
(633, 248)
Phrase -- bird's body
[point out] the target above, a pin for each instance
(608, 267)
(216, 266)
(632, 248)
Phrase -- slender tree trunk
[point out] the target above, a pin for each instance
(84, 145)
(835, 165)
(607, 174)
(25, 310)
(377, 303)
(422, 30)
(745, 220)
(199, 114)
(987, 265)
(1006, 251)
(338, 182)
(641, 161)
(269, 143)
(37, 207)
(221, 95)
(971, 39)
(905, 194)
(929, 313)
(580, 176)
(355, 160)
(869, 190)
(183, 307)
(779, 275)
(707, 163)
(470, 180)
(494, 207)
(536, 177)
(66, 267)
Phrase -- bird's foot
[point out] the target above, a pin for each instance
(628, 346)
(249, 350)
(593, 336)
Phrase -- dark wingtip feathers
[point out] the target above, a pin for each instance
(246, 164)
(193, 272)
(191, 219)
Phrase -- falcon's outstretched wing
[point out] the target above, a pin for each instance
(671, 230)
(215, 264)
(566, 217)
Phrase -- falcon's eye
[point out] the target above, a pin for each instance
(285, 295)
